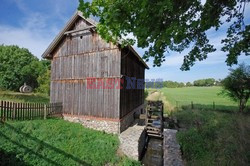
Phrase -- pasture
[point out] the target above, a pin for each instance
(197, 97)
(207, 135)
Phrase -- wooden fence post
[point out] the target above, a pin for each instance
(177, 105)
(45, 111)
(213, 105)
(7, 110)
(18, 112)
(28, 111)
(1, 109)
(14, 111)
(192, 105)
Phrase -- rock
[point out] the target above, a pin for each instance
(132, 141)
(172, 153)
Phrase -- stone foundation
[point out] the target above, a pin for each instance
(132, 142)
(114, 126)
(172, 152)
(109, 126)
(129, 119)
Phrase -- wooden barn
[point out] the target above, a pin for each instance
(77, 54)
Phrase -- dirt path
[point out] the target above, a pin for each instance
(157, 95)
(154, 96)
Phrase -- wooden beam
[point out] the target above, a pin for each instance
(78, 30)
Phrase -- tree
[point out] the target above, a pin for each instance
(17, 66)
(44, 82)
(172, 25)
(237, 85)
(173, 84)
(188, 84)
(218, 82)
(204, 82)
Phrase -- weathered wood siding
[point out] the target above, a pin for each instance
(78, 57)
(130, 98)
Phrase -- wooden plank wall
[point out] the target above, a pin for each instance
(131, 98)
(77, 58)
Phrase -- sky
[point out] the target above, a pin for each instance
(34, 24)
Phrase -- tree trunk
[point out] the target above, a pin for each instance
(242, 105)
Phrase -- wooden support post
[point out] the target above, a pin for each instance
(45, 111)
(7, 110)
(18, 112)
(177, 107)
(192, 105)
(1, 109)
(14, 112)
(213, 105)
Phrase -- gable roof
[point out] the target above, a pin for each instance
(70, 23)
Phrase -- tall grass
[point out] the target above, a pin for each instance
(214, 138)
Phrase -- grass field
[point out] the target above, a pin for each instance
(201, 97)
(56, 142)
(24, 97)
(207, 136)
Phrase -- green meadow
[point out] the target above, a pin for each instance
(208, 135)
(24, 97)
(55, 141)
(199, 95)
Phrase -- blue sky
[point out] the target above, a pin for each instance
(34, 24)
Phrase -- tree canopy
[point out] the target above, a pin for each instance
(19, 66)
(172, 25)
(237, 85)
(173, 84)
(205, 82)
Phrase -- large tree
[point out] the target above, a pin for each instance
(172, 25)
(237, 85)
(19, 66)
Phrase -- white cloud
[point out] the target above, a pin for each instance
(23, 37)
(32, 33)
(37, 27)
(174, 60)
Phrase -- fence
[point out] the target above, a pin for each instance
(209, 106)
(28, 111)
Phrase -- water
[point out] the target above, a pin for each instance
(154, 152)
